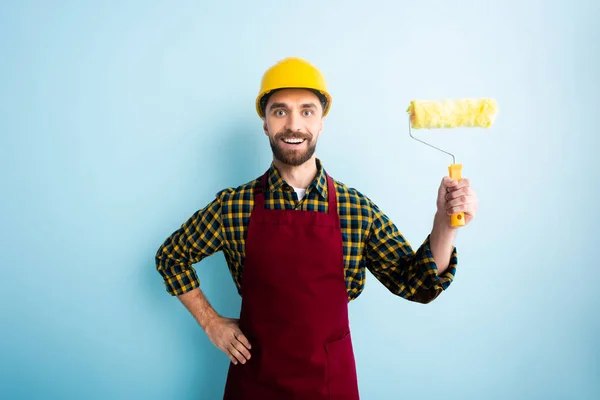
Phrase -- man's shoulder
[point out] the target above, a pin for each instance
(241, 192)
(351, 195)
(354, 202)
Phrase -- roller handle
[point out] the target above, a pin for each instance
(455, 171)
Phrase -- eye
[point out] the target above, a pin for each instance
(279, 113)
(307, 113)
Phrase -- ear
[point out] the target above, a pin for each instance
(265, 129)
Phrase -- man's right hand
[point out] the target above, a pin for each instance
(226, 335)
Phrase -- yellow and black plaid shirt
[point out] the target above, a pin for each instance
(371, 241)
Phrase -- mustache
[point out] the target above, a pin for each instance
(288, 134)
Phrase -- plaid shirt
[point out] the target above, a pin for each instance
(370, 240)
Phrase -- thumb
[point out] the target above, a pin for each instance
(446, 184)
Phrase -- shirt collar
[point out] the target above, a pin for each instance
(275, 181)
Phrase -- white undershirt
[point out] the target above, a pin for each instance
(300, 193)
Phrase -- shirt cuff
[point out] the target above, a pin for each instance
(444, 280)
(182, 282)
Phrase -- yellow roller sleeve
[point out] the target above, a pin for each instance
(453, 113)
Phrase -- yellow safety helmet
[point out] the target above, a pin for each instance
(293, 72)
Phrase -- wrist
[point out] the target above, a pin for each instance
(442, 224)
(209, 317)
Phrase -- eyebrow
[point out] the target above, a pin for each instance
(277, 105)
(284, 105)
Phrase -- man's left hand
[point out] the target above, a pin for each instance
(455, 196)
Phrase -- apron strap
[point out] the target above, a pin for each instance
(259, 197)
(331, 195)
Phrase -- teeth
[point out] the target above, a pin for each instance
(293, 140)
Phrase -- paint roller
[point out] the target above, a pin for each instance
(451, 113)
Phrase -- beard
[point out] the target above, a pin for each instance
(292, 157)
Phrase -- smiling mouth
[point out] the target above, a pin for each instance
(293, 141)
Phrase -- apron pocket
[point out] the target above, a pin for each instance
(341, 369)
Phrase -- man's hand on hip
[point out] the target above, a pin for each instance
(226, 335)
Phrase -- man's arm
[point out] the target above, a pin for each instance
(410, 274)
(453, 197)
(224, 333)
(200, 237)
(442, 242)
(199, 306)
(197, 238)
(424, 274)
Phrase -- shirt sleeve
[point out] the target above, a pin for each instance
(197, 238)
(406, 273)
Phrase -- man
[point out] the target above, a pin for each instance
(297, 243)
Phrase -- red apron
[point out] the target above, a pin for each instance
(294, 308)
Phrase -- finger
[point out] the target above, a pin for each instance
(234, 352)
(461, 183)
(469, 202)
(447, 183)
(466, 208)
(242, 349)
(460, 200)
(243, 339)
(231, 357)
(465, 191)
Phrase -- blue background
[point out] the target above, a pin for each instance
(118, 120)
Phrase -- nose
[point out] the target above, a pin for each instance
(294, 122)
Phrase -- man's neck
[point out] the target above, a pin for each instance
(299, 177)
